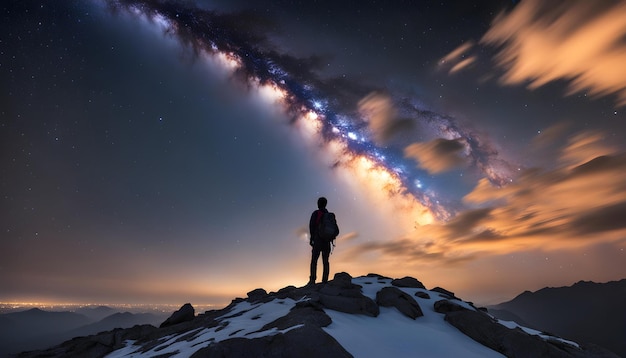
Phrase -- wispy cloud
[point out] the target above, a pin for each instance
(458, 59)
(438, 155)
(380, 114)
(579, 41)
(538, 42)
(580, 203)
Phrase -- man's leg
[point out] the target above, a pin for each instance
(315, 254)
(325, 256)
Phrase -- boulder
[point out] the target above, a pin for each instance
(342, 279)
(422, 294)
(301, 314)
(379, 277)
(257, 295)
(407, 282)
(444, 292)
(510, 342)
(286, 291)
(394, 297)
(340, 294)
(184, 314)
(350, 304)
(303, 342)
(98, 345)
(445, 306)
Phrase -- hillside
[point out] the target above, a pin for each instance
(38, 329)
(586, 311)
(35, 328)
(368, 316)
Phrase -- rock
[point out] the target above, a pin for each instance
(303, 342)
(341, 279)
(394, 297)
(407, 282)
(422, 294)
(340, 294)
(184, 314)
(285, 291)
(445, 306)
(300, 314)
(379, 277)
(355, 305)
(510, 342)
(98, 345)
(257, 295)
(444, 291)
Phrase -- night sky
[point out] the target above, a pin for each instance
(171, 152)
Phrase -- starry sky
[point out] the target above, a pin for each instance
(173, 151)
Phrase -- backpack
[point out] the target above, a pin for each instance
(327, 228)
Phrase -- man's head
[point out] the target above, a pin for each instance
(321, 203)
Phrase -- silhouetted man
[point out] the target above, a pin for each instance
(320, 245)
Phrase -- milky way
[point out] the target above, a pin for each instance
(324, 110)
(169, 151)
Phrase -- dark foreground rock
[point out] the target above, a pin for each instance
(515, 343)
(445, 306)
(342, 295)
(407, 282)
(305, 341)
(393, 297)
(97, 345)
(184, 314)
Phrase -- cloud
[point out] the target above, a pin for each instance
(466, 221)
(406, 250)
(351, 236)
(578, 41)
(549, 136)
(457, 60)
(603, 219)
(579, 204)
(584, 147)
(563, 207)
(438, 155)
(381, 117)
(302, 233)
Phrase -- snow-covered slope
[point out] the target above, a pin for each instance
(369, 316)
(392, 334)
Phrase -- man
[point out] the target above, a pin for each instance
(319, 245)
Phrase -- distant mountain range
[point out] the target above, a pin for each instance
(96, 313)
(367, 316)
(586, 311)
(37, 329)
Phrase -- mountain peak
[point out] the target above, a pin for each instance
(586, 311)
(365, 316)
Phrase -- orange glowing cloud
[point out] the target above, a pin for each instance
(550, 209)
(380, 114)
(385, 190)
(581, 203)
(457, 59)
(578, 41)
(549, 136)
(438, 155)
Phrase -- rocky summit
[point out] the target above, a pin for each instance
(367, 316)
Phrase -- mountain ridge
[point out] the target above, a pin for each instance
(37, 329)
(369, 315)
(586, 310)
